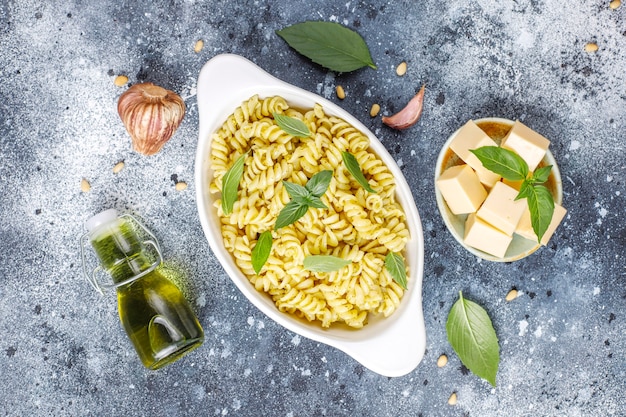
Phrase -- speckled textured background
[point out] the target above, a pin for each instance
(63, 352)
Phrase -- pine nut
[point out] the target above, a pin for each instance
(401, 69)
(511, 295)
(615, 4)
(591, 47)
(198, 46)
(121, 80)
(442, 361)
(374, 110)
(84, 185)
(452, 399)
(340, 93)
(118, 167)
(180, 186)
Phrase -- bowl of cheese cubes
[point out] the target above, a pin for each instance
(479, 207)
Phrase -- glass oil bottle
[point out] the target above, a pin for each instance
(157, 318)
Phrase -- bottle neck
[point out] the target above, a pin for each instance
(120, 250)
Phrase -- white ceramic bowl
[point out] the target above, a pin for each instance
(391, 346)
(519, 247)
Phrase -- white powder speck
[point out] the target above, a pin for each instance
(306, 372)
(406, 393)
(523, 327)
(131, 386)
(596, 291)
(324, 359)
(413, 152)
(400, 163)
(201, 300)
(260, 325)
(603, 212)
(553, 339)
(269, 369)
(251, 321)
(289, 414)
(296, 340)
(225, 411)
(609, 178)
(526, 39)
(236, 404)
(538, 333)
(574, 145)
(247, 372)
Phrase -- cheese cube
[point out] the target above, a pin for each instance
(460, 187)
(470, 136)
(500, 208)
(527, 143)
(484, 237)
(525, 228)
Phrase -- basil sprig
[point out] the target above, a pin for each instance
(512, 167)
(353, 167)
(261, 251)
(303, 197)
(395, 265)
(473, 338)
(329, 44)
(324, 263)
(230, 184)
(295, 127)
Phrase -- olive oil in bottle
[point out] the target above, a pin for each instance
(153, 311)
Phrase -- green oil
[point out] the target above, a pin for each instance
(153, 311)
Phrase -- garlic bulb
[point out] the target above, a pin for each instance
(151, 115)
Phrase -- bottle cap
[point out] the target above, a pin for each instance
(99, 219)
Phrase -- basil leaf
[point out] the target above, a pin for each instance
(503, 162)
(473, 338)
(328, 44)
(230, 184)
(542, 174)
(352, 165)
(261, 251)
(295, 191)
(541, 207)
(292, 126)
(395, 265)
(324, 263)
(316, 202)
(319, 182)
(290, 213)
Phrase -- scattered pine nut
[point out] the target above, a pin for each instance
(340, 93)
(180, 186)
(118, 167)
(84, 185)
(198, 46)
(374, 110)
(591, 47)
(615, 4)
(511, 295)
(452, 399)
(401, 69)
(442, 361)
(120, 80)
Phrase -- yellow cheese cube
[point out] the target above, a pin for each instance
(482, 236)
(525, 228)
(460, 187)
(470, 136)
(527, 143)
(500, 208)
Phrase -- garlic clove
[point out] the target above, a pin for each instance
(409, 115)
(151, 115)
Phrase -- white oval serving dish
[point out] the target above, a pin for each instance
(520, 247)
(391, 346)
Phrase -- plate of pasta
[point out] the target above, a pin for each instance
(309, 215)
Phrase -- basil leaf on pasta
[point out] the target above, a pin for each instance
(316, 202)
(352, 165)
(295, 191)
(395, 265)
(261, 251)
(290, 213)
(319, 182)
(295, 127)
(230, 184)
(324, 263)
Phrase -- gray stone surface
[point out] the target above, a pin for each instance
(63, 352)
